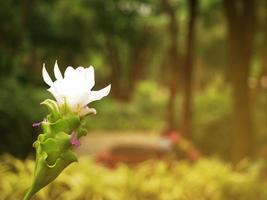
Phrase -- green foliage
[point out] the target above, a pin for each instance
(146, 111)
(212, 122)
(11, 34)
(157, 180)
(19, 109)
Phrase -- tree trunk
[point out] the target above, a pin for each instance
(241, 26)
(138, 64)
(27, 8)
(263, 53)
(173, 64)
(112, 60)
(186, 126)
(123, 88)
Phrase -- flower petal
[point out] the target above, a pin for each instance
(80, 69)
(58, 97)
(46, 77)
(75, 88)
(57, 72)
(87, 111)
(97, 95)
(90, 77)
(69, 72)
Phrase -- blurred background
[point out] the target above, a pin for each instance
(187, 114)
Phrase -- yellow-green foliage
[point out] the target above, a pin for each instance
(152, 180)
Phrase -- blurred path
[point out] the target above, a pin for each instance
(98, 141)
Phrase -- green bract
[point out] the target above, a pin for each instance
(54, 151)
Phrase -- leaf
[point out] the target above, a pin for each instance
(53, 109)
(66, 124)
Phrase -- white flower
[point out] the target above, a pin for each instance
(75, 88)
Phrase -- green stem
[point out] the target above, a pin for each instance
(29, 194)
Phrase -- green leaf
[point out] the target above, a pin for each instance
(53, 109)
(66, 124)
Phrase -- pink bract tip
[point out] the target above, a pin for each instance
(74, 140)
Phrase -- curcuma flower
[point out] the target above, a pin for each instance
(75, 88)
(64, 125)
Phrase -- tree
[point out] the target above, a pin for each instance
(188, 70)
(240, 16)
(126, 41)
(263, 52)
(174, 61)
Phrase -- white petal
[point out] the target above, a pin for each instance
(97, 95)
(46, 77)
(80, 75)
(80, 68)
(90, 76)
(79, 99)
(69, 72)
(87, 111)
(55, 93)
(57, 72)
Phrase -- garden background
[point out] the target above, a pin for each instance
(186, 118)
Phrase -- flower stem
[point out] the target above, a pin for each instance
(29, 194)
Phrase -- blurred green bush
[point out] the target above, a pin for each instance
(145, 112)
(212, 118)
(157, 180)
(19, 108)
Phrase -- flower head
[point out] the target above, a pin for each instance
(75, 88)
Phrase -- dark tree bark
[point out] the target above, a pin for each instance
(260, 85)
(27, 8)
(112, 59)
(262, 81)
(240, 16)
(138, 64)
(139, 58)
(263, 52)
(172, 64)
(124, 81)
(186, 126)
